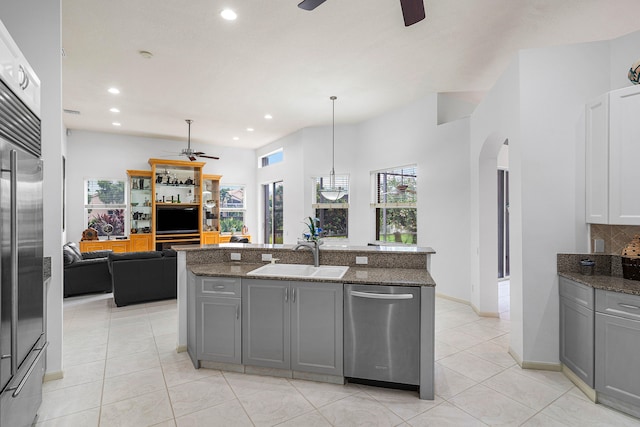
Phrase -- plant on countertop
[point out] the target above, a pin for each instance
(314, 233)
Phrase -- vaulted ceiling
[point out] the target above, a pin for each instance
(281, 60)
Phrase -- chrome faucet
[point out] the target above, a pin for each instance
(313, 246)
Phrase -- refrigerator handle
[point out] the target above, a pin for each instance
(13, 171)
(16, 390)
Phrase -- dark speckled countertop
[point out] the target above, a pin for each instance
(607, 274)
(368, 275)
(46, 268)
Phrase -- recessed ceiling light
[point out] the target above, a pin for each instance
(235, 138)
(229, 15)
(250, 129)
(116, 124)
(114, 110)
(114, 90)
(268, 116)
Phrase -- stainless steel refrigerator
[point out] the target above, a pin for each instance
(22, 338)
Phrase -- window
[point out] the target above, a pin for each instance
(271, 158)
(395, 205)
(333, 215)
(105, 205)
(232, 208)
(273, 197)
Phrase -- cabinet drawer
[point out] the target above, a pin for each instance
(618, 304)
(577, 292)
(220, 286)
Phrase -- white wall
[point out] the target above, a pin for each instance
(624, 52)
(35, 27)
(104, 155)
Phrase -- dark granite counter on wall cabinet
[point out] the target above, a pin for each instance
(607, 272)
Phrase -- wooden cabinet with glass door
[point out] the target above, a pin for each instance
(140, 210)
(176, 202)
(211, 209)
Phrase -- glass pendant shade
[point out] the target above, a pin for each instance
(332, 192)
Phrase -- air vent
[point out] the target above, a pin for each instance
(71, 111)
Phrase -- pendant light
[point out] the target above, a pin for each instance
(332, 192)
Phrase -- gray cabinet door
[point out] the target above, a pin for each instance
(219, 331)
(316, 327)
(266, 323)
(617, 362)
(576, 339)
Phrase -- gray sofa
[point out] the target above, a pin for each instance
(86, 272)
(143, 276)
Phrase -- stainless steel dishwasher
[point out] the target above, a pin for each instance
(382, 333)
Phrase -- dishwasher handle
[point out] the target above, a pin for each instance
(373, 295)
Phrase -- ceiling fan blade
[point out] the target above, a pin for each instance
(192, 158)
(412, 11)
(200, 154)
(310, 4)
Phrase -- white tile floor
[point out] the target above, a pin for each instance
(121, 369)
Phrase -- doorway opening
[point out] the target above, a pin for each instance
(273, 197)
(504, 266)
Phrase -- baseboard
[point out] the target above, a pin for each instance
(577, 381)
(484, 313)
(454, 299)
(52, 376)
(181, 349)
(540, 366)
(515, 356)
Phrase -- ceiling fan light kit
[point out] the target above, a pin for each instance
(332, 192)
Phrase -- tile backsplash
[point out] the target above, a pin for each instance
(615, 237)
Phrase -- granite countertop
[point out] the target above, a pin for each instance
(326, 247)
(46, 268)
(607, 283)
(364, 275)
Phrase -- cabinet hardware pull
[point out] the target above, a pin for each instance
(293, 295)
(238, 311)
(286, 294)
(219, 286)
(633, 307)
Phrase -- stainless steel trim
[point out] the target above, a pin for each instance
(24, 380)
(633, 307)
(13, 265)
(380, 296)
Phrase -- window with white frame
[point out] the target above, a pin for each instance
(105, 206)
(232, 208)
(396, 213)
(271, 158)
(333, 215)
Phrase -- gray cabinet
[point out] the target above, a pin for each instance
(293, 325)
(617, 345)
(577, 328)
(215, 327)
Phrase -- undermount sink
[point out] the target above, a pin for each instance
(300, 270)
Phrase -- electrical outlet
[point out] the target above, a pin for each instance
(266, 257)
(362, 260)
(598, 246)
(235, 256)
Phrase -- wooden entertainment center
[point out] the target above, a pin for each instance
(173, 203)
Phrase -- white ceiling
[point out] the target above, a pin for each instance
(278, 59)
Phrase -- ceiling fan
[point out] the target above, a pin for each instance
(412, 10)
(189, 152)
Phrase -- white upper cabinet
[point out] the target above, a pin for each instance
(624, 156)
(613, 158)
(597, 155)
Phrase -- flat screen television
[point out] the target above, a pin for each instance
(176, 220)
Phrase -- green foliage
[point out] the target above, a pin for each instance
(226, 224)
(110, 192)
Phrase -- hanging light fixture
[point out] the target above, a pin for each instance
(332, 192)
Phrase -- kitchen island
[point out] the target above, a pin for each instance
(212, 281)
